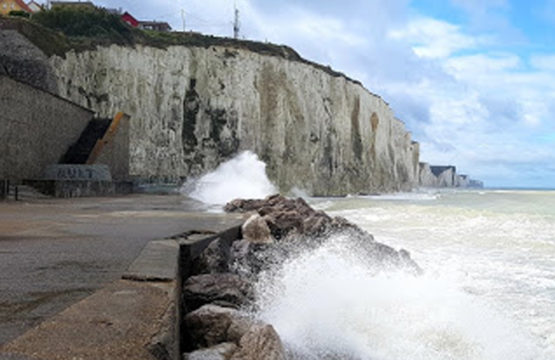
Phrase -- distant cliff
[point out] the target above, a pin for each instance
(444, 177)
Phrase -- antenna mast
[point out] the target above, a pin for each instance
(236, 24)
(183, 18)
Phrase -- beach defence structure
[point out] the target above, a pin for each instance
(41, 130)
(37, 129)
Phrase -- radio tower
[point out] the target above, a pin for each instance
(236, 24)
(183, 18)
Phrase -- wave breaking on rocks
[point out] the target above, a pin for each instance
(234, 284)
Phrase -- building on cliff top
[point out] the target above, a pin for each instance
(155, 25)
(80, 4)
(130, 19)
(6, 6)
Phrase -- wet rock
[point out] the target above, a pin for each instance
(222, 351)
(249, 259)
(256, 230)
(292, 222)
(244, 205)
(316, 223)
(223, 289)
(214, 259)
(208, 325)
(212, 324)
(260, 342)
(283, 215)
(282, 222)
(239, 327)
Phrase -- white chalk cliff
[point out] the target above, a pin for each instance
(194, 107)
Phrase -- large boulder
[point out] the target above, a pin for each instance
(214, 259)
(212, 324)
(207, 326)
(260, 342)
(249, 259)
(222, 289)
(256, 230)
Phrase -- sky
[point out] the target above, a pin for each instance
(473, 80)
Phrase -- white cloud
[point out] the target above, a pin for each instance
(431, 38)
(481, 64)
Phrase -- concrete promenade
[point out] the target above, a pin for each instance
(55, 253)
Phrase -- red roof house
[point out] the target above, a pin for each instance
(130, 19)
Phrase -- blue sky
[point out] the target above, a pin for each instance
(473, 80)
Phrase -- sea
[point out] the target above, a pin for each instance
(487, 291)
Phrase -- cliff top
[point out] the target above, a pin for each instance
(57, 32)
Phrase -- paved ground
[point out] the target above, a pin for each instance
(119, 322)
(54, 253)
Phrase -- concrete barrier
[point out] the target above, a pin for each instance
(78, 172)
(73, 188)
(138, 317)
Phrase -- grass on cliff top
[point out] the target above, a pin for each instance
(60, 30)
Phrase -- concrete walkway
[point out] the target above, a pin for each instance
(55, 253)
(118, 322)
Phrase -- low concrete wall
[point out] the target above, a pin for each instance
(37, 129)
(78, 172)
(73, 188)
(170, 261)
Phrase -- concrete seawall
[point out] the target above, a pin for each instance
(127, 314)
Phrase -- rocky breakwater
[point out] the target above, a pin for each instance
(219, 298)
(193, 107)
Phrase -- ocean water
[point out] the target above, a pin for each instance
(488, 291)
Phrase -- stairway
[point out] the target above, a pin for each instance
(79, 152)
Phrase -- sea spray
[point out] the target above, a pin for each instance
(329, 303)
(244, 176)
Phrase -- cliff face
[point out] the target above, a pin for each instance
(444, 176)
(193, 108)
(426, 177)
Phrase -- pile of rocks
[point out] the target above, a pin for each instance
(224, 274)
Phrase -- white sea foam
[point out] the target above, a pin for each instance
(498, 247)
(328, 304)
(422, 195)
(244, 176)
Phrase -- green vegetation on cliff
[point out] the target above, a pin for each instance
(60, 30)
(85, 22)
